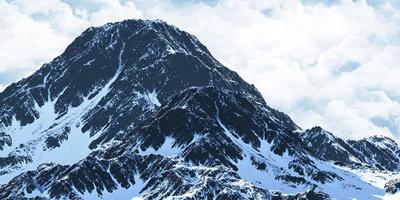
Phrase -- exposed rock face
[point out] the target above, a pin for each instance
(392, 186)
(376, 152)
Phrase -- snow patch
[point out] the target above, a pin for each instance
(167, 149)
(88, 63)
(151, 97)
(171, 50)
(30, 140)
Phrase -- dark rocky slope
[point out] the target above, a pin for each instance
(376, 152)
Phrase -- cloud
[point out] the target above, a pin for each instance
(24, 41)
(34, 32)
(322, 63)
(329, 63)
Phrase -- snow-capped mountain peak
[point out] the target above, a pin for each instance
(141, 109)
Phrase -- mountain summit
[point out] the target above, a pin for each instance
(107, 81)
(141, 109)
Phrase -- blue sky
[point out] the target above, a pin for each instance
(332, 63)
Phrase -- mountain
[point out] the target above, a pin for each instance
(107, 81)
(139, 109)
(375, 152)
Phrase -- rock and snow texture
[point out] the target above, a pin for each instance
(141, 110)
(376, 152)
(107, 81)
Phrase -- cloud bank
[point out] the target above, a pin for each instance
(330, 63)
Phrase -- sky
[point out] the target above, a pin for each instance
(332, 63)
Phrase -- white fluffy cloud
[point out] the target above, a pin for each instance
(34, 32)
(329, 63)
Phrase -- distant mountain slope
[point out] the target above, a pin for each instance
(376, 152)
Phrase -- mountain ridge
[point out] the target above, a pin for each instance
(354, 153)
